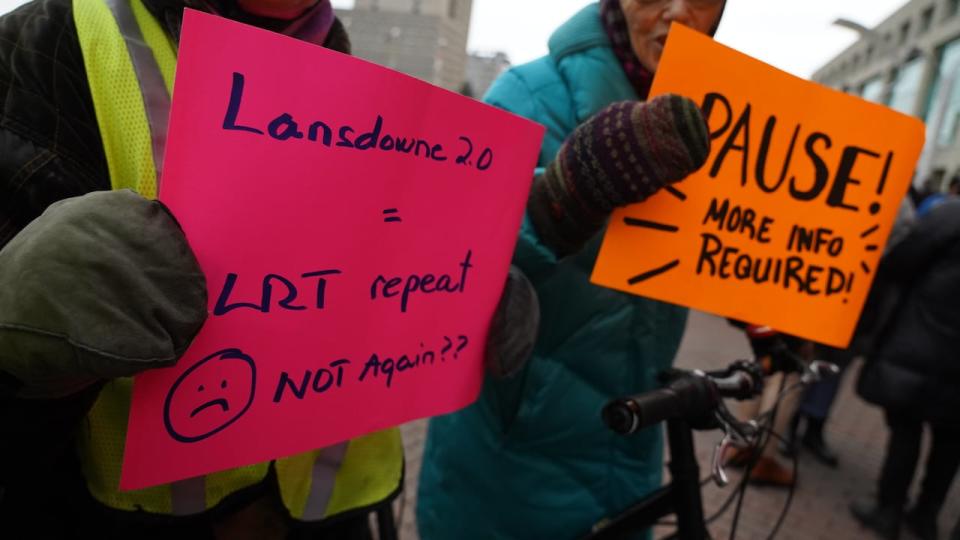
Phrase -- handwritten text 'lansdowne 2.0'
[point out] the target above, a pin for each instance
(285, 127)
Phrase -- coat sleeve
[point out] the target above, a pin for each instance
(50, 146)
(511, 92)
(32, 177)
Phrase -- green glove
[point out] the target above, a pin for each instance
(99, 286)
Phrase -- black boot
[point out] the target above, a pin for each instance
(922, 521)
(956, 532)
(885, 521)
(813, 441)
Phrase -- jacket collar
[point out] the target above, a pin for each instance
(585, 61)
(582, 31)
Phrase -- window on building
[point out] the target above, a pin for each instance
(416, 7)
(943, 107)
(904, 32)
(869, 53)
(926, 19)
(906, 87)
(952, 7)
(887, 43)
(452, 9)
(872, 89)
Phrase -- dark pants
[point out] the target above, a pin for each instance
(819, 397)
(903, 453)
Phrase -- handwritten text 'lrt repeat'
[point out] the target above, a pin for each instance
(281, 292)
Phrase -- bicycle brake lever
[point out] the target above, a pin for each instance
(734, 431)
(817, 370)
(740, 432)
(718, 473)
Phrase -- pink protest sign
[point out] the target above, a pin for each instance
(355, 226)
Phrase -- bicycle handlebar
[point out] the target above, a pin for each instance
(691, 396)
(680, 398)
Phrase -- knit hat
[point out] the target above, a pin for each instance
(98, 286)
(622, 155)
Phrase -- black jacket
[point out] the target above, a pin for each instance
(50, 149)
(50, 145)
(915, 367)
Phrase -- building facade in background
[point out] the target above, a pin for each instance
(423, 38)
(911, 63)
(483, 69)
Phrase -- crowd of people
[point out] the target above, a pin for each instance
(98, 283)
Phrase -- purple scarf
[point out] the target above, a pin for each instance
(314, 24)
(615, 24)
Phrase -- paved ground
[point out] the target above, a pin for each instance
(819, 509)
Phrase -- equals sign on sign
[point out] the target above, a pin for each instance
(390, 217)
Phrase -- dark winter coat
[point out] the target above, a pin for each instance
(50, 150)
(915, 366)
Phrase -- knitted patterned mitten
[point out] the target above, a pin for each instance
(622, 155)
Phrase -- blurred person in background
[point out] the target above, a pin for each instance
(913, 373)
(814, 409)
(780, 392)
(532, 458)
(934, 199)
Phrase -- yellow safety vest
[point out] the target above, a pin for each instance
(130, 63)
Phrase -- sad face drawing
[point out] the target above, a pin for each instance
(214, 393)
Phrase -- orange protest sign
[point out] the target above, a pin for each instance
(785, 223)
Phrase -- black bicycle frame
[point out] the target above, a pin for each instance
(681, 496)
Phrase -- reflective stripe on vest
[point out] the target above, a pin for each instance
(362, 473)
(117, 62)
(130, 63)
(101, 455)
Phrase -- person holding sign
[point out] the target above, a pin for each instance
(532, 459)
(99, 283)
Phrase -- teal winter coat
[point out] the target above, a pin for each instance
(532, 458)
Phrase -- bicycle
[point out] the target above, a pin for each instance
(693, 400)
